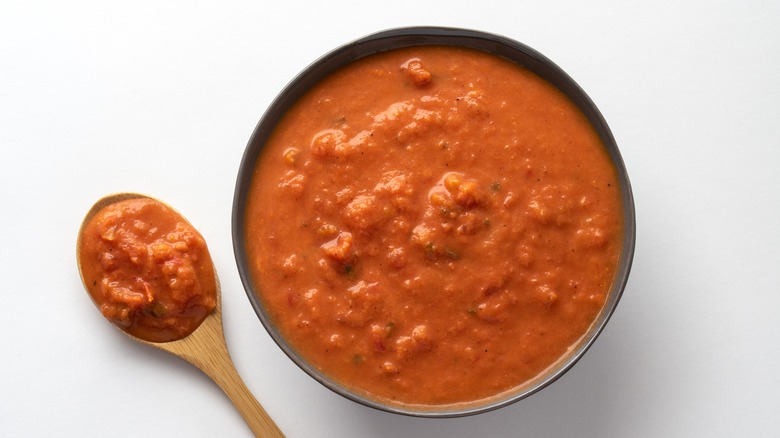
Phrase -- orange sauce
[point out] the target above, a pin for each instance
(147, 269)
(433, 225)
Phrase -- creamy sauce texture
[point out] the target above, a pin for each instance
(147, 269)
(433, 225)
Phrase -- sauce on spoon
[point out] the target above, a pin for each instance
(147, 269)
(149, 272)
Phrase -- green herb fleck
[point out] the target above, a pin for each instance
(430, 250)
(349, 270)
(158, 309)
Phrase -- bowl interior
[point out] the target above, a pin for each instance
(405, 37)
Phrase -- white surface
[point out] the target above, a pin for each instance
(161, 97)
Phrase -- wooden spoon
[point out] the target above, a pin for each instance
(205, 348)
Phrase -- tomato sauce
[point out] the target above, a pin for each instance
(147, 269)
(433, 225)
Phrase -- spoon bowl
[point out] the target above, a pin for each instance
(205, 347)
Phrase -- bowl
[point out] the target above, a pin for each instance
(416, 36)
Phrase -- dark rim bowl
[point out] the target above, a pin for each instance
(415, 36)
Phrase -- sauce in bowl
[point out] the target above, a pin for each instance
(433, 229)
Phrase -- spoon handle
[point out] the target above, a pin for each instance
(206, 349)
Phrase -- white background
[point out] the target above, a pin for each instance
(161, 97)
